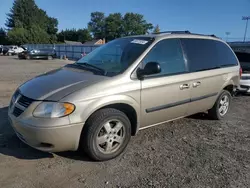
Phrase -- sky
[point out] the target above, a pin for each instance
(198, 16)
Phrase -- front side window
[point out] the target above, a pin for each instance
(168, 53)
(117, 55)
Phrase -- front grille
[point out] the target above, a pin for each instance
(25, 101)
(22, 101)
(17, 111)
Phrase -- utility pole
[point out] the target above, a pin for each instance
(245, 18)
(227, 34)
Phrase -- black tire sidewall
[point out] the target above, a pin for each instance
(223, 93)
(96, 124)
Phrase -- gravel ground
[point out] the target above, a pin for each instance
(191, 152)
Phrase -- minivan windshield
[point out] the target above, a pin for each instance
(117, 55)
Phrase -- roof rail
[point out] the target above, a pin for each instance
(204, 35)
(174, 32)
(185, 32)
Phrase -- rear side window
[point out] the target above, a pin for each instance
(205, 54)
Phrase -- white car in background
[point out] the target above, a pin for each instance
(244, 59)
(13, 50)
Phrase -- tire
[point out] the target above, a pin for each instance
(50, 57)
(215, 112)
(28, 57)
(94, 129)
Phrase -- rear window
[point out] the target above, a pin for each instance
(205, 54)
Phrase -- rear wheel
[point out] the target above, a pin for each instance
(50, 57)
(106, 134)
(221, 106)
(27, 57)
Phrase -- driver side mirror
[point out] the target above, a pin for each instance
(149, 69)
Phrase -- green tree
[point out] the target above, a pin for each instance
(68, 34)
(18, 36)
(97, 25)
(37, 35)
(80, 35)
(135, 24)
(156, 29)
(116, 25)
(3, 36)
(26, 17)
(52, 29)
(113, 26)
(83, 35)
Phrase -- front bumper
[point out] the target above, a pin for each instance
(49, 139)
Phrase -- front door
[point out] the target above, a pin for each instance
(165, 96)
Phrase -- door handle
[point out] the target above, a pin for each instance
(184, 86)
(196, 84)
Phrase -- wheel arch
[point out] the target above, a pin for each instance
(123, 103)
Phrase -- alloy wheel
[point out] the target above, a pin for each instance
(110, 136)
(224, 105)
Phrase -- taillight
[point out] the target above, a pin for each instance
(240, 71)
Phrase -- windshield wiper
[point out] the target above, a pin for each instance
(102, 71)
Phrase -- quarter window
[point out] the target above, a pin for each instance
(225, 55)
(168, 53)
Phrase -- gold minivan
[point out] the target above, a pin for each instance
(126, 85)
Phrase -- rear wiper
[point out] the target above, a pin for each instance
(102, 71)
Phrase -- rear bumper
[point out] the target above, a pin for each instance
(244, 86)
(54, 139)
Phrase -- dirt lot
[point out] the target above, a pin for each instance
(191, 152)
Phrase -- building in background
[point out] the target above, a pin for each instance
(95, 42)
(72, 42)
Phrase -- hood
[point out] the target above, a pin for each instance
(59, 83)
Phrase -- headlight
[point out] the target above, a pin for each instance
(53, 109)
(34, 51)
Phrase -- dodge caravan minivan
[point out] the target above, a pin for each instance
(97, 103)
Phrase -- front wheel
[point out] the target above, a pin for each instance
(106, 134)
(221, 106)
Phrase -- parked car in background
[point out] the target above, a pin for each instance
(14, 50)
(244, 59)
(38, 54)
(5, 50)
(99, 102)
